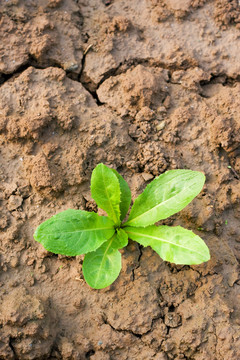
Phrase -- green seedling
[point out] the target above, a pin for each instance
(75, 232)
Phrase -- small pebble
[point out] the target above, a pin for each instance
(14, 202)
(147, 176)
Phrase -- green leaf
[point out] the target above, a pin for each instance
(121, 240)
(165, 196)
(102, 267)
(105, 190)
(125, 196)
(74, 232)
(173, 244)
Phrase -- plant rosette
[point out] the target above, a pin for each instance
(75, 232)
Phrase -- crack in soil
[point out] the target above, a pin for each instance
(32, 62)
(106, 321)
(124, 66)
(12, 348)
(139, 336)
(88, 85)
(89, 353)
(221, 78)
(138, 261)
(5, 77)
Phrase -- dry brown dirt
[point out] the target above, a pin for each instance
(143, 86)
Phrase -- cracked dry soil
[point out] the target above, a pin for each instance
(143, 86)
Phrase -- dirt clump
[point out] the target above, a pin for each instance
(28, 324)
(43, 32)
(227, 13)
(137, 88)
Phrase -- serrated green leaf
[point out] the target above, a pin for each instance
(74, 232)
(105, 190)
(102, 267)
(173, 244)
(164, 196)
(125, 196)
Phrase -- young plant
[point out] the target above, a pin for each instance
(75, 232)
